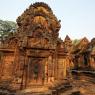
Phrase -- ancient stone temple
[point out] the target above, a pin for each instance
(65, 62)
(92, 53)
(34, 55)
(81, 54)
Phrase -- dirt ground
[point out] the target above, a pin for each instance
(81, 85)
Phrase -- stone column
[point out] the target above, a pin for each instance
(46, 70)
(55, 66)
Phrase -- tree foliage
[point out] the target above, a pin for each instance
(6, 27)
(75, 42)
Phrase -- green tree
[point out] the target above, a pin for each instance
(6, 27)
(75, 42)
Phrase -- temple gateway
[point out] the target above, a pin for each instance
(34, 55)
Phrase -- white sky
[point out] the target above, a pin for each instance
(77, 16)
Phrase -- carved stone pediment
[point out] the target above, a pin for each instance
(38, 21)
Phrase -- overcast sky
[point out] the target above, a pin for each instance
(77, 16)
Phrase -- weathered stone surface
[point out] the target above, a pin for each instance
(35, 57)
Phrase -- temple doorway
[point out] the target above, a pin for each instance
(36, 71)
(86, 59)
